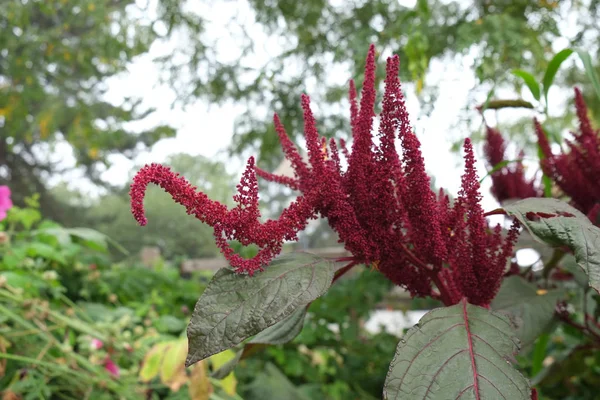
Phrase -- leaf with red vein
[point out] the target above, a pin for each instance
(458, 352)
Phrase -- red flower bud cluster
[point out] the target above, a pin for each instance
(381, 206)
(576, 172)
(508, 182)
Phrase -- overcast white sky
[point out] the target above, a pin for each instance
(207, 129)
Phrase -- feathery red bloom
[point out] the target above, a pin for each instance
(576, 172)
(240, 223)
(508, 182)
(382, 206)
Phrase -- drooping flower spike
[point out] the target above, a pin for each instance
(239, 223)
(382, 206)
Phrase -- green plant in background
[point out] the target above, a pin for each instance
(75, 326)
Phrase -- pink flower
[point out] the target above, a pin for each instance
(5, 201)
(111, 367)
(96, 344)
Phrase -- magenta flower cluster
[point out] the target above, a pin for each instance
(381, 206)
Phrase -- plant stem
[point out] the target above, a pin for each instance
(343, 270)
(557, 255)
(582, 328)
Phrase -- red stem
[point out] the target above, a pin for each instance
(343, 270)
(444, 295)
(341, 259)
(567, 320)
(433, 274)
(414, 258)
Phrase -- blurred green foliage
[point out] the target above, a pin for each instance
(59, 293)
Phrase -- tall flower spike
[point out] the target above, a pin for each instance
(290, 151)
(494, 147)
(542, 139)
(244, 218)
(577, 171)
(281, 179)
(360, 158)
(391, 113)
(585, 125)
(474, 263)
(420, 202)
(313, 143)
(353, 106)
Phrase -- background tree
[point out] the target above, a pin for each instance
(55, 58)
(308, 40)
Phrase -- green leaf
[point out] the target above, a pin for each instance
(283, 331)
(89, 237)
(488, 99)
(539, 354)
(589, 70)
(457, 352)
(552, 69)
(530, 81)
(499, 166)
(234, 307)
(558, 224)
(38, 249)
(532, 311)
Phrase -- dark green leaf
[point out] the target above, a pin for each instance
(556, 223)
(530, 81)
(589, 70)
(457, 352)
(552, 69)
(532, 311)
(283, 331)
(234, 307)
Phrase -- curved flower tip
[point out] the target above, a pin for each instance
(196, 203)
